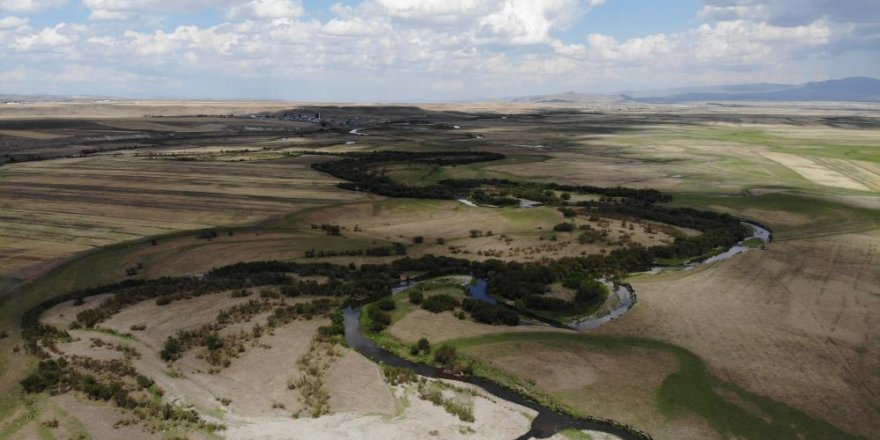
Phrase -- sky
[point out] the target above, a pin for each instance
(428, 50)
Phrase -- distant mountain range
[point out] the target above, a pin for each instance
(858, 89)
(853, 89)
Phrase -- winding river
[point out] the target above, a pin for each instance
(548, 422)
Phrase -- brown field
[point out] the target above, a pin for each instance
(601, 382)
(53, 209)
(796, 323)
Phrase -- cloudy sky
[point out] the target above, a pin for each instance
(385, 50)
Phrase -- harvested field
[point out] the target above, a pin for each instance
(816, 172)
(54, 209)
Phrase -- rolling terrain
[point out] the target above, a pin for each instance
(779, 342)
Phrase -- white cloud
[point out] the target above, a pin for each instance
(647, 48)
(30, 6)
(49, 38)
(267, 9)
(12, 22)
(478, 47)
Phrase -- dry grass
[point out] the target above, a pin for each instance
(795, 323)
(613, 383)
(54, 209)
(440, 327)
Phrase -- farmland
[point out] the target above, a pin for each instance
(779, 342)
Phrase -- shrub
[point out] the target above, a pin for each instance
(386, 304)
(416, 296)
(171, 349)
(379, 320)
(564, 227)
(439, 303)
(213, 341)
(269, 293)
(423, 345)
(418, 239)
(445, 355)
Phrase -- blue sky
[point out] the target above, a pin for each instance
(388, 50)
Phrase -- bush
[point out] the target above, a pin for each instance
(47, 376)
(269, 293)
(564, 227)
(445, 355)
(490, 313)
(386, 304)
(213, 341)
(379, 320)
(439, 303)
(171, 349)
(416, 296)
(418, 239)
(423, 345)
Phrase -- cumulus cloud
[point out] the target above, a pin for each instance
(48, 38)
(471, 47)
(12, 22)
(30, 6)
(267, 9)
(132, 9)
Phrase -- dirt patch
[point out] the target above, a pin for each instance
(418, 419)
(100, 420)
(356, 385)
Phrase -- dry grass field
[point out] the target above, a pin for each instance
(53, 209)
(796, 323)
(618, 384)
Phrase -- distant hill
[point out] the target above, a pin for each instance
(860, 89)
(855, 89)
(43, 98)
(569, 97)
